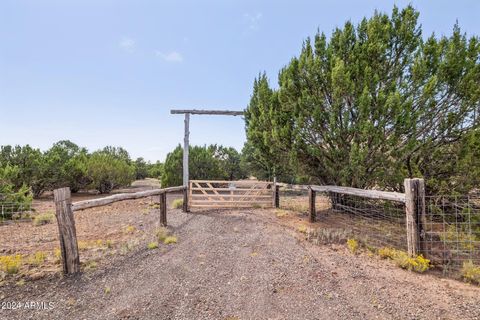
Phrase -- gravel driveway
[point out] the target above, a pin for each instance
(244, 265)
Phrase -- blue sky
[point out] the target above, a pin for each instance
(108, 72)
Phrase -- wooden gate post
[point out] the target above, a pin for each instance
(311, 204)
(415, 215)
(163, 209)
(185, 200)
(66, 231)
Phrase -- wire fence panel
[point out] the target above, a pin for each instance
(377, 223)
(452, 234)
(14, 211)
(295, 200)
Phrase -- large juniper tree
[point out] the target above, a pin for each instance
(372, 104)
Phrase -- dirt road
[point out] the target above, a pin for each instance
(245, 265)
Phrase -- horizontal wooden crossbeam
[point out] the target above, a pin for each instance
(211, 112)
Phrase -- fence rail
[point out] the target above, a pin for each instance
(85, 204)
(66, 222)
(372, 194)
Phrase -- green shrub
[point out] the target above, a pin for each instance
(155, 170)
(17, 199)
(206, 162)
(43, 218)
(108, 172)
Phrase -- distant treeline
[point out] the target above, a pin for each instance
(27, 171)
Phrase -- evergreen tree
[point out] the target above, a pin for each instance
(371, 105)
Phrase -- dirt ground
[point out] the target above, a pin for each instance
(116, 227)
(231, 264)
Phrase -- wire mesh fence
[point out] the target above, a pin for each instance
(452, 231)
(295, 200)
(15, 211)
(377, 223)
(449, 237)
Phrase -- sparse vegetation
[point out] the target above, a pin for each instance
(37, 259)
(330, 235)
(352, 245)
(155, 205)
(280, 213)
(11, 263)
(90, 265)
(57, 253)
(170, 240)
(470, 272)
(302, 229)
(293, 204)
(161, 233)
(43, 218)
(466, 240)
(128, 246)
(177, 204)
(130, 229)
(152, 245)
(404, 261)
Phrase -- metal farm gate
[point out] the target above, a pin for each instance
(230, 194)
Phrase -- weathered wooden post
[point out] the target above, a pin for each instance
(415, 215)
(277, 196)
(163, 209)
(275, 193)
(186, 146)
(66, 231)
(185, 200)
(311, 204)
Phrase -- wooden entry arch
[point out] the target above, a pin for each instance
(186, 143)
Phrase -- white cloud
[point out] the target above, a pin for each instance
(172, 56)
(252, 20)
(127, 44)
